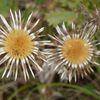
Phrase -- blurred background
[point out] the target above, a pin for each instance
(51, 13)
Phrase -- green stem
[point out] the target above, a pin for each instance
(72, 86)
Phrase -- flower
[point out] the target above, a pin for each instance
(19, 46)
(74, 52)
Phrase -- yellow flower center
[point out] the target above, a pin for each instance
(75, 50)
(18, 44)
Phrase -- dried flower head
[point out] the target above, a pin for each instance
(74, 52)
(19, 46)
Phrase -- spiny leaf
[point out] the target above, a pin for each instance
(60, 15)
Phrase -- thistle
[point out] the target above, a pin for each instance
(75, 52)
(19, 46)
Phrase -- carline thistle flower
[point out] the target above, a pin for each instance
(75, 52)
(19, 46)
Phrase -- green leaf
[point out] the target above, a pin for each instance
(62, 2)
(56, 17)
(40, 1)
(72, 4)
(27, 12)
(90, 92)
(6, 5)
